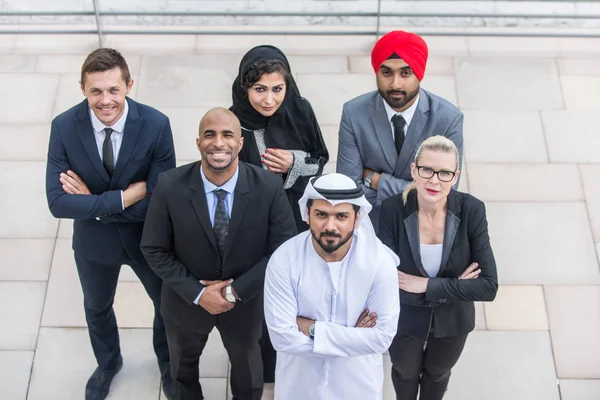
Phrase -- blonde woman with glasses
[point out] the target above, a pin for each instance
(446, 263)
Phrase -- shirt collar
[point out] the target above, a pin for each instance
(406, 114)
(228, 186)
(118, 126)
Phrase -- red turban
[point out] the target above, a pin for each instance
(410, 47)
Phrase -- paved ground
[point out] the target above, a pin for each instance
(532, 153)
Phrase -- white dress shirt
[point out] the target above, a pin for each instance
(116, 138)
(406, 114)
(212, 200)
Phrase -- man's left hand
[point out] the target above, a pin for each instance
(73, 184)
(304, 325)
(374, 179)
(411, 283)
(223, 291)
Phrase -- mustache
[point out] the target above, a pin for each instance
(389, 92)
(330, 234)
(224, 149)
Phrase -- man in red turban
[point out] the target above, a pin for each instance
(381, 130)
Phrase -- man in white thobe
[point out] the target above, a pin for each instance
(331, 298)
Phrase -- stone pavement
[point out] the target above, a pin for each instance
(532, 153)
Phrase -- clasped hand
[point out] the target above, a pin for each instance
(213, 298)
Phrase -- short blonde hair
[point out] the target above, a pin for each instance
(434, 143)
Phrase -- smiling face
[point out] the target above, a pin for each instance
(397, 84)
(220, 140)
(430, 188)
(106, 92)
(267, 94)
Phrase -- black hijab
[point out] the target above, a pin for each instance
(293, 126)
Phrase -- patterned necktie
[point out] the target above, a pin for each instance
(108, 157)
(398, 123)
(221, 223)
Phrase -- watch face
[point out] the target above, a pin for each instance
(230, 297)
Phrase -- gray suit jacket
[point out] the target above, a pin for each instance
(366, 141)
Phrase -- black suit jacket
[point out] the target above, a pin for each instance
(146, 150)
(447, 304)
(180, 246)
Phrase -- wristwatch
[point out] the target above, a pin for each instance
(229, 296)
(311, 331)
(368, 179)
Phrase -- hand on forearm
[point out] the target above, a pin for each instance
(304, 325)
(374, 180)
(73, 184)
(134, 193)
(411, 283)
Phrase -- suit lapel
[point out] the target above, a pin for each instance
(411, 225)
(198, 200)
(452, 223)
(131, 133)
(383, 131)
(240, 206)
(83, 124)
(413, 135)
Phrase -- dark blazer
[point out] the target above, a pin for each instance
(366, 141)
(180, 246)
(448, 302)
(146, 150)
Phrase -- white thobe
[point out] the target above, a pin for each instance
(342, 362)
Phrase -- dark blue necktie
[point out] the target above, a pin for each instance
(221, 222)
(108, 157)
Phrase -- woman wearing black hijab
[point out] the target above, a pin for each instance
(279, 127)
(281, 135)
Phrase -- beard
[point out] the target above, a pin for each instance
(327, 246)
(398, 103)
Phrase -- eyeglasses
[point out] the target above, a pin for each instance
(428, 173)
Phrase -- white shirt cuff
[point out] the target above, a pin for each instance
(122, 202)
(198, 298)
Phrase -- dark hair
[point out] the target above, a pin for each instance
(105, 59)
(310, 202)
(261, 67)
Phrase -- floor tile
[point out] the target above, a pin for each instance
(579, 66)
(517, 308)
(525, 182)
(581, 92)
(484, 130)
(139, 379)
(25, 259)
(65, 229)
(15, 367)
(224, 44)
(187, 81)
(512, 46)
(463, 183)
(339, 88)
(268, 391)
(441, 85)
(523, 360)
(23, 194)
(330, 135)
(572, 136)
(152, 44)
(214, 362)
(28, 92)
(572, 389)
(32, 143)
(64, 301)
(55, 44)
(20, 312)
(590, 175)
(17, 63)
(71, 64)
(532, 248)
(328, 44)
(7, 43)
(447, 46)
(480, 318)
(573, 313)
(480, 84)
(580, 47)
(322, 64)
(185, 122)
(329, 167)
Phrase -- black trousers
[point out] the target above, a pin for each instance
(430, 368)
(269, 355)
(99, 284)
(242, 347)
